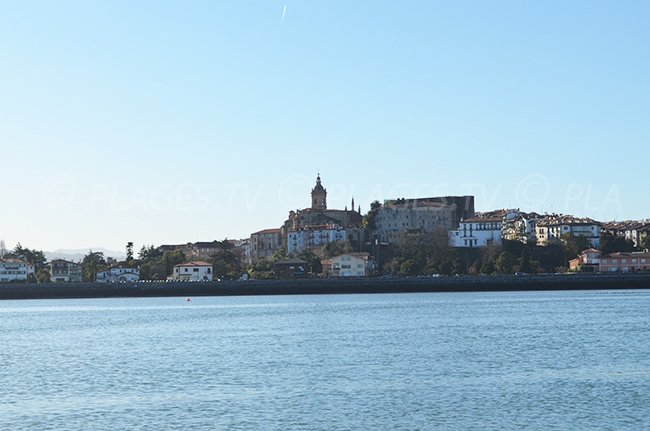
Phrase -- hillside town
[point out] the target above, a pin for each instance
(429, 236)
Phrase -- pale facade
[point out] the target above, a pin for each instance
(477, 232)
(520, 226)
(65, 271)
(314, 236)
(15, 270)
(553, 228)
(118, 274)
(192, 271)
(348, 265)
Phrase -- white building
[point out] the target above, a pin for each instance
(192, 271)
(314, 236)
(480, 231)
(520, 226)
(553, 228)
(15, 270)
(118, 274)
(348, 265)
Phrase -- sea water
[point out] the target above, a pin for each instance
(458, 361)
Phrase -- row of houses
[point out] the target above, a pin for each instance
(592, 260)
(490, 229)
(344, 265)
(204, 250)
(65, 271)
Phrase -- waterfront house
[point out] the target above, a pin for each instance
(65, 271)
(290, 268)
(118, 274)
(192, 271)
(625, 262)
(588, 261)
(347, 265)
(12, 270)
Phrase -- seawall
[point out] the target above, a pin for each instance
(327, 286)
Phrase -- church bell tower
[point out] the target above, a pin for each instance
(318, 196)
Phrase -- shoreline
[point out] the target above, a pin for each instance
(327, 286)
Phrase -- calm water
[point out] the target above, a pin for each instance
(492, 361)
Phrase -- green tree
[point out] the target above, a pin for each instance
(92, 263)
(505, 263)
(524, 262)
(149, 254)
(488, 267)
(573, 246)
(313, 261)
(42, 276)
(369, 219)
(35, 257)
(611, 243)
(226, 262)
(280, 255)
(336, 248)
(408, 267)
(129, 251)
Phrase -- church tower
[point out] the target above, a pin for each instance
(318, 196)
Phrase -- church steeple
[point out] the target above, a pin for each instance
(352, 203)
(318, 196)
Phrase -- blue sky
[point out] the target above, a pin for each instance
(165, 122)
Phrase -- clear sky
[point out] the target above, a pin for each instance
(175, 121)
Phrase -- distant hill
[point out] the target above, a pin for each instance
(78, 254)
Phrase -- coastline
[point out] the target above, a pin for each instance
(328, 286)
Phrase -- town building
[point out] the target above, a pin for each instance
(553, 228)
(483, 230)
(347, 265)
(315, 236)
(290, 268)
(65, 271)
(625, 262)
(588, 261)
(319, 224)
(265, 243)
(520, 226)
(192, 271)
(12, 270)
(118, 274)
(399, 217)
(635, 231)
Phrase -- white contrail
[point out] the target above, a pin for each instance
(284, 12)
